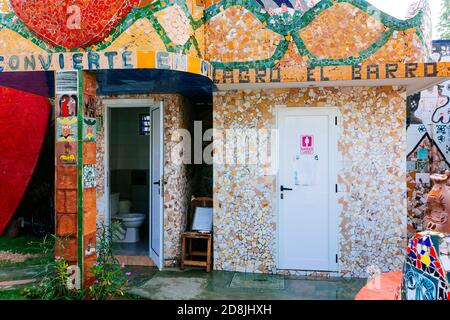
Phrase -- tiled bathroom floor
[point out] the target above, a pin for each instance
(131, 249)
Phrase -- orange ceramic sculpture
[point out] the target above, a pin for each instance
(438, 204)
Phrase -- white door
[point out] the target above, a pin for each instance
(307, 238)
(157, 187)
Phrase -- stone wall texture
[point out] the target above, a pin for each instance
(372, 179)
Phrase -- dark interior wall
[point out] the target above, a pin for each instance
(129, 154)
(203, 173)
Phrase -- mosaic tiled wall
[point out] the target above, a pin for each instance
(54, 26)
(66, 161)
(243, 34)
(89, 159)
(75, 157)
(230, 33)
(426, 272)
(177, 177)
(372, 189)
(428, 140)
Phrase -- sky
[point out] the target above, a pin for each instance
(398, 9)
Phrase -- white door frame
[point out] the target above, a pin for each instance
(334, 119)
(133, 103)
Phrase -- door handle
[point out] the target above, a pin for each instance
(157, 182)
(285, 189)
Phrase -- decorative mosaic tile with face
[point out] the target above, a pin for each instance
(66, 105)
(66, 152)
(66, 129)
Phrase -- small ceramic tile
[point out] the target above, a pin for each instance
(66, 129)
(89, 129)
(89, 176)
(66, 153)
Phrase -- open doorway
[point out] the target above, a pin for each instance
(134, 175)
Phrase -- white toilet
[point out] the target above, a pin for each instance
(131, 222)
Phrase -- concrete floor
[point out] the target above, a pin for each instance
(196, 284)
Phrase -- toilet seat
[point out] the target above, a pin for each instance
(130, 217)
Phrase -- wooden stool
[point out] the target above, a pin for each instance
(190, 236)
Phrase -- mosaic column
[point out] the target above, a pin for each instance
(75, 182)
(89, 181)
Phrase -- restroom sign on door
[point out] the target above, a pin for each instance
(307, 144)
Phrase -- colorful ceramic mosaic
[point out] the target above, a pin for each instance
(99, 23)
(229, 33)
(368, 32)
(66, 129)
(427, 267)
(428, 136)
(371, 180)
(67, 164)
(89, 178)
(66, 152)
(67, 105)
(247, 42)
(75, 199)
(74, 24)
(89, 129)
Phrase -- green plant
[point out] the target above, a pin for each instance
(55, 277)
(54, 286)
(108, 278)
(110, 281)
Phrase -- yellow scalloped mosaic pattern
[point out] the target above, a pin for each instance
(141, 35)
(201, 38)
(237, 35)
(331, 36)
(4, 8)
(402, 47)
(12, 43)
(240, 34)
(292, 58)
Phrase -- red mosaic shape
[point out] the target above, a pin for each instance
(72, 24)
(433, 252)
(23, 123)
(439, 268)
(418, 263)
